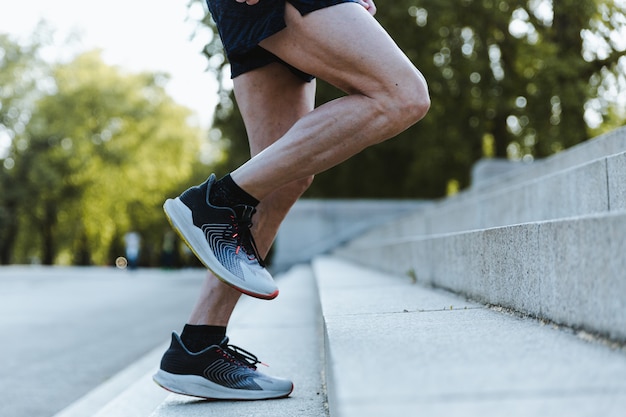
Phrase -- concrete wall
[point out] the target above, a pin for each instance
(314, 227)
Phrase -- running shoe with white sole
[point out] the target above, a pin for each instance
(222, 372)
(220, 237)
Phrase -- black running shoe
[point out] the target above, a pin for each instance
(221, 238)
(221, 371)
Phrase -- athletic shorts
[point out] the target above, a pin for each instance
(241, 27)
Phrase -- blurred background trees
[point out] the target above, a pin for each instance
(89, 152)
(92, 154)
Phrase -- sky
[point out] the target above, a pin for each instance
(137, 35)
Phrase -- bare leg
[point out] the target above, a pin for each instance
(271, 100)
(345, 46)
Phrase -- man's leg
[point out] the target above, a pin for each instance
(271, 99)
(345, 46)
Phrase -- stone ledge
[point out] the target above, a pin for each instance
(568, 271)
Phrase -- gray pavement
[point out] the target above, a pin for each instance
(400, 349)
(66, 331)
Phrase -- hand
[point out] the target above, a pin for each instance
(368, 4)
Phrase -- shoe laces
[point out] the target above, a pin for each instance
(242, 356)
(241, 231)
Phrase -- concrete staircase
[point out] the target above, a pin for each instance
(507, 299)
(394, 348)
(548, 240)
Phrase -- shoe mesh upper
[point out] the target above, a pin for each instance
(222, 364)
(226, 230)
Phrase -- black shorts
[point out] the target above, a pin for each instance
(242, 27)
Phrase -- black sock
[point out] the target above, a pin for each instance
(199, 337)
(225, 193)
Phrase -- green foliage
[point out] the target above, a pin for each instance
(21, 73)
(508, 78)
(94, 159)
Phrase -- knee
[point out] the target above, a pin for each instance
(412, 102)
(408, 102)
(417, 102)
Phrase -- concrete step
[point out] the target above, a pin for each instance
(594, 187)
(568, 271)
(597, 148)
(286, 333)
(395, 348)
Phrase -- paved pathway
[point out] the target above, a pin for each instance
(67, 330)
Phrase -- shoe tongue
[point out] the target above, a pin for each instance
(244, 212)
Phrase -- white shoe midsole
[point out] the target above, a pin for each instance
(198, 386)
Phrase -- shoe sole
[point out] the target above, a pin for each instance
(179, 216)
(197, 386)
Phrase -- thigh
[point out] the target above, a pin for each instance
(343, 45)
(271, 99)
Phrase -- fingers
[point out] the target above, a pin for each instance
(369, 6)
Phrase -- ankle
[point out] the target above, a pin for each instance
(226, 193)
(199, 337)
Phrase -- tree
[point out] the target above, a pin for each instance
(22, 79)
(517, 79)
(97, 157)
